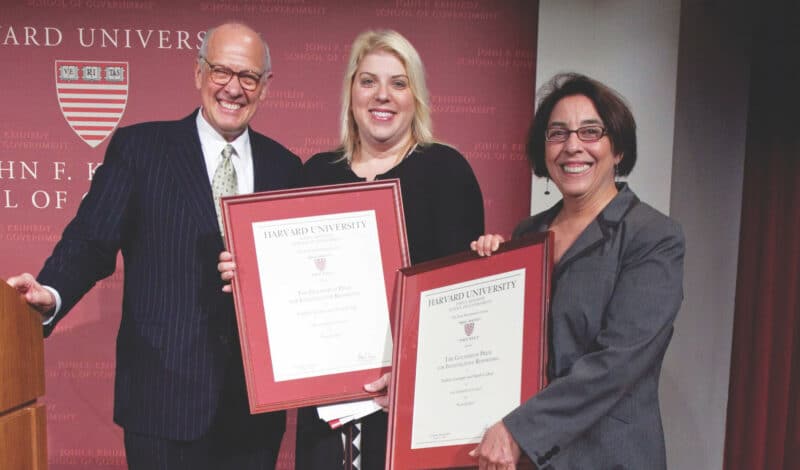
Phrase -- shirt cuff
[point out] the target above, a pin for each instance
(48, 320)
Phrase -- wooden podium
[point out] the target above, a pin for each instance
(23, 445)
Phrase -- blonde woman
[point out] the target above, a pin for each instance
(386, 133)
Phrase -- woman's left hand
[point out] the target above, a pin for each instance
(382, 384)
(498, 450)
(487, 244)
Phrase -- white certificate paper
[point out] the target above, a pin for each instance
(469, 359)
(324, 294)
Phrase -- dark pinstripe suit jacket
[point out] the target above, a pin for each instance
(615, 294)
(152, 200)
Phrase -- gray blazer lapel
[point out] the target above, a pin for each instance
(599, 229)
(588, 239)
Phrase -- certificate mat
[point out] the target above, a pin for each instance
(470, 347)
(315, 270)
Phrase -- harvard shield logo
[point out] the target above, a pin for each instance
(320, 263)
(92, 96)
(469, 328)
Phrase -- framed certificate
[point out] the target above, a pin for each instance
(470, 347)
(313, 285)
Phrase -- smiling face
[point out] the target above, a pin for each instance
(381, 101)
(229, 108)
(580, 170)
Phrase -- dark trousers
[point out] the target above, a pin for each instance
(320, 448)
(236, 439)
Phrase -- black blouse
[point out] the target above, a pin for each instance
(441, 198)
(443, 209)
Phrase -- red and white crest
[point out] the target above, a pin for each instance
(469, 327)
(92, 96)
(320, 263)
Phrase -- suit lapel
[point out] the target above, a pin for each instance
(262, 178)
(588, 239)
(185, 156)
(598, 230)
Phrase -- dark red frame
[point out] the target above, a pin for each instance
(239, 212)
(533, 253)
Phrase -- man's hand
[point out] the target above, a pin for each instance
(226, 268)
(41, 299)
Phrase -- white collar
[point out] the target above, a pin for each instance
(213, 142)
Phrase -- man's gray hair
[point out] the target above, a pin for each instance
(203, 52)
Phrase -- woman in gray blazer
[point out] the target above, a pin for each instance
(616, 288)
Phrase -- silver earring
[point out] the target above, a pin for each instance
(547, 187)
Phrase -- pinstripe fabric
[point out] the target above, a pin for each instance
(151, 200)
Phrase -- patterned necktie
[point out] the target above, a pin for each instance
(224, 182)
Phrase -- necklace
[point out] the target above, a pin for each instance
(408, 150)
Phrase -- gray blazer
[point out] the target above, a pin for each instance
(615, 294)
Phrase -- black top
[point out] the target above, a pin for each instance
(443, 209)
(441, 198)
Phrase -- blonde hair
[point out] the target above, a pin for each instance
(393, 43)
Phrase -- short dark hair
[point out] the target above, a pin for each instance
(617, 119)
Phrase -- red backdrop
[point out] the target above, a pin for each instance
(479, 56)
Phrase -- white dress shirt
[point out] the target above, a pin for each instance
(212, 144)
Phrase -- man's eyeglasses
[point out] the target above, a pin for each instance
(585, 133)
(221, 75)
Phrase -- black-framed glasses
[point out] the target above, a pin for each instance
(584, 133)
(222, 75)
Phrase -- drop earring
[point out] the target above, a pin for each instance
(547, 187)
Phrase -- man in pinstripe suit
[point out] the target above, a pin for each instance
(179, 390)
